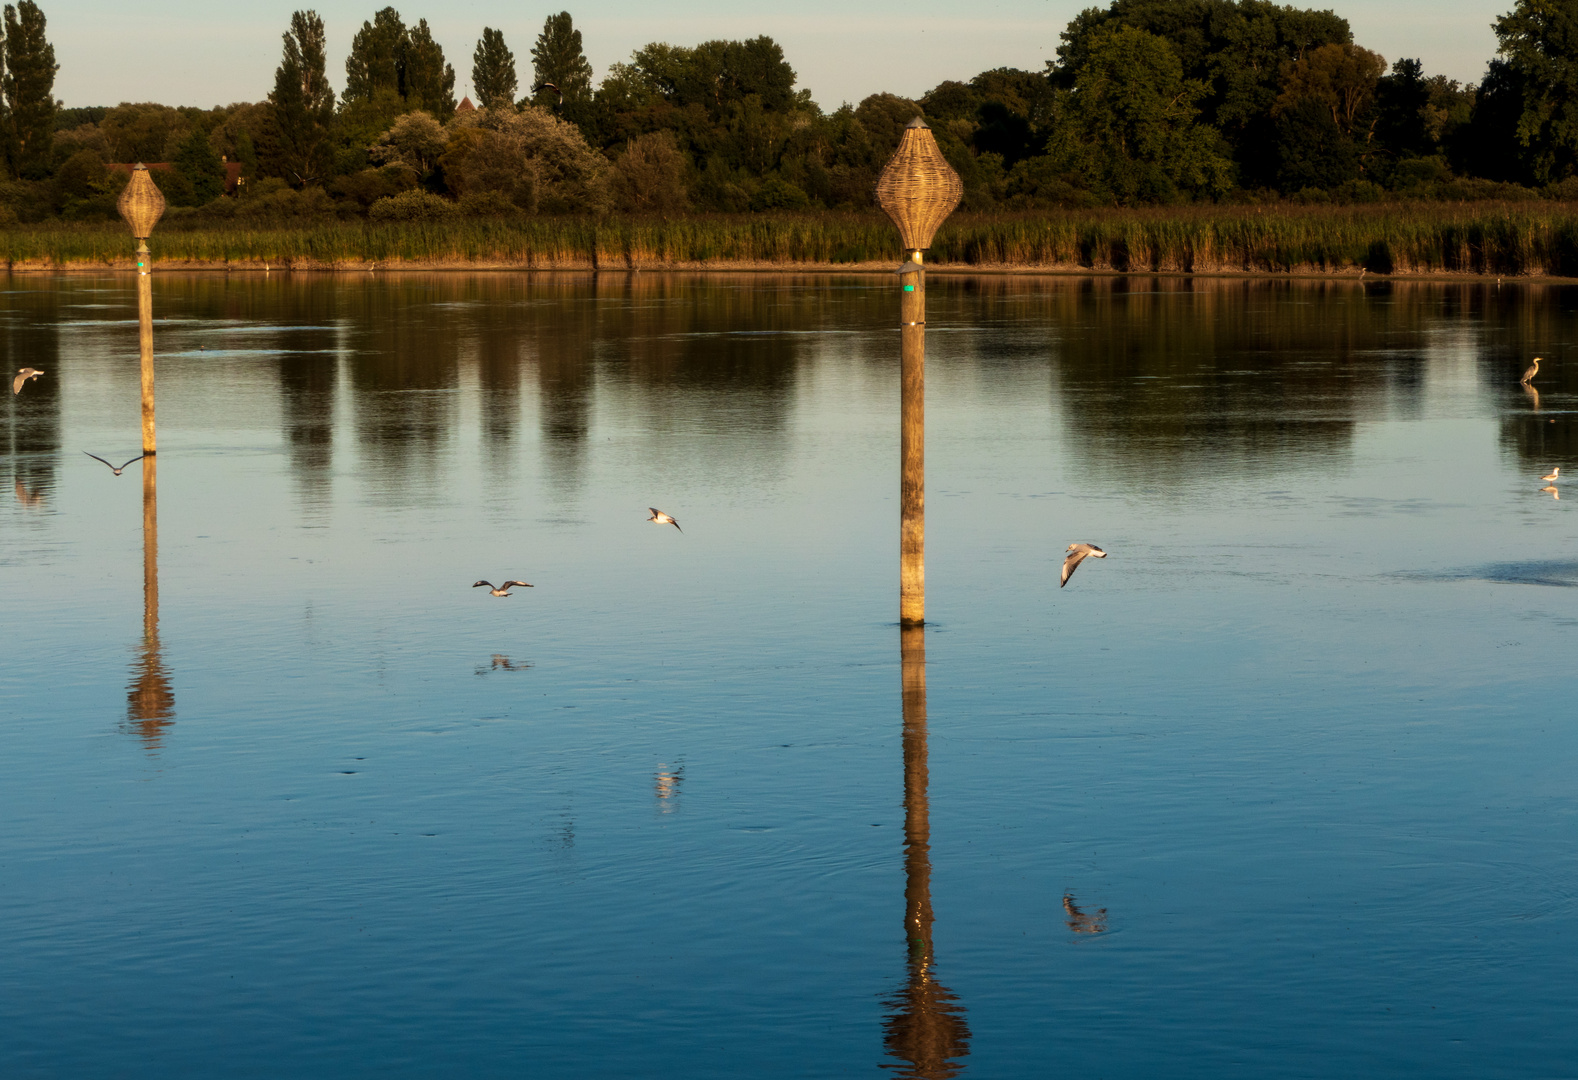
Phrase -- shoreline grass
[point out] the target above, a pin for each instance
(1494, 239)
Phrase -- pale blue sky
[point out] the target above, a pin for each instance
(199, 52)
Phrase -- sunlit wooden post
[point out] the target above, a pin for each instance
(141, 204)
(918, 189)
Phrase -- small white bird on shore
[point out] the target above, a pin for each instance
(1077, 554)
(1552, 474)
(660, 518)
(22, 375)
(112, 468)
(504, 589)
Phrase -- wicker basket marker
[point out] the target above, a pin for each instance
(142, 203)
(918, 188)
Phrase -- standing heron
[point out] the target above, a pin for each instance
(22, 376)
(1534, 369)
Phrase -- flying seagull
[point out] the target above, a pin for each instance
(540, 87)
(1534, 369)
(1076, 555)
(22, 376)
(1552, 474)
(660, 518)
(504, 589)
(112, 468)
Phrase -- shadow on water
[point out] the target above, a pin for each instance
(925, 1028)
(150, 699)
(1559, 574)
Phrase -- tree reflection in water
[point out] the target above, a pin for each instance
(926, 1029)
(150, 700)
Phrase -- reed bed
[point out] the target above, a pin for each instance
(1539, 239)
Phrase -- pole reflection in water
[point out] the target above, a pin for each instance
(150, 702)
(926, 1029)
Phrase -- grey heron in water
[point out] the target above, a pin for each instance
(1534, 369)
(22, 375)
(504, 589)
(660, 518)
(1076, 555)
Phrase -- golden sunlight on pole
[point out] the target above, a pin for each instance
(918, 189)
(926, 1028)
(141, 204)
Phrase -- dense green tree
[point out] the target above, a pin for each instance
(299, 149)
(1326, 116)
(558, 58)
(1237, 48)
(198, 162)
(373, 67)
(426, 81)
(493, 71)
(1127, 127)
(142, 131)
(28, 85)
(1402, 111)
(1539, 48)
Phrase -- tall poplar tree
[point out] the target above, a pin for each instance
(303, 104)
(558, 58)
(426, 81)
(28, 84)
(374, 64)
(493, 70)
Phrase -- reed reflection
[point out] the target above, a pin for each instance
(150, 699)
(926, 1029)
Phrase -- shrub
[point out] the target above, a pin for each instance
(649, 177)
(776, 193)
(413, 205)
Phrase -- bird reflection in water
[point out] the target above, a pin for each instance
(925, 1028)
(150, 700)
(665, 785)
(1534, 397)
(1081, 922)
(1550, 489)
(31, 498)
(500, 662)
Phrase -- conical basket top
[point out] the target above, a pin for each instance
(142, 203)
(918, 188)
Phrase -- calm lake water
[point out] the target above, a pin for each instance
(1283, 788)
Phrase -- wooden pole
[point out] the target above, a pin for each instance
(912, 446)
(145, 343)
(150, 549)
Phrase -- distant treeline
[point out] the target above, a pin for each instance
(1417, 238)
(1147, 102)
